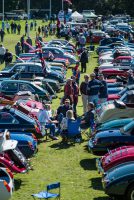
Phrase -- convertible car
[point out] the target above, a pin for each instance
(119, 181)
(115, 157)
(103, 141)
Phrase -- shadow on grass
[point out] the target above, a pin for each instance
(96, 183)
(88, 164)
(17, 183)
(102, 198)
(60, 145)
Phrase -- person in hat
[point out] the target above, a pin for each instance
(103, 93)
(93, 89)
(62, 109)
(83, 91)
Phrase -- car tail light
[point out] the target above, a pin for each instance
(9, 172)
(7, 186)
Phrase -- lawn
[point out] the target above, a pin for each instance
(73, 166)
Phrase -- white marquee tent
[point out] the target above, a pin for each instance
(76, 16)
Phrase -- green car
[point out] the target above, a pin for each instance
(11, 87)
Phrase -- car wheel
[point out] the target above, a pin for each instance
(130, 193)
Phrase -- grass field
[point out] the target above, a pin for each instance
(73, 166)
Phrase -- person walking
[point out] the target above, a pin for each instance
(22, 40)
(84, 60)
(103, 93)
(93, 89)
(83, 91)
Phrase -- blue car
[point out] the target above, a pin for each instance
(114, 90)
(114, 124)
(119, 181)
(26, 144)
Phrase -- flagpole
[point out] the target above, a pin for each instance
(62, 4)
(3, 10)
(50, 8)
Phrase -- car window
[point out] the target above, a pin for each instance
(18, 68)
(54, 51)
(10, 87)
(25, 87)
(7, 118)
(35, 68)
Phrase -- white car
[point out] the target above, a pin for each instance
(6, 183)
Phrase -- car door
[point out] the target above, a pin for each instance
(26, 87)
(35, 70)
(22, 70)
(9, 88)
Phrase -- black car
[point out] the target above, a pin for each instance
(29, 70)
(14, 120)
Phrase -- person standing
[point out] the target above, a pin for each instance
(75, 94)
(2, 33)
(22, 40)
(2, 53)
(18, 28)
(7, 27)
(103, 93)
(18, 49)
(83, 91)
(68, 90)
(76, 73)
(84, 60)
(8, 57)
(93, 89)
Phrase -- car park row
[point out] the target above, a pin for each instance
(113, 136)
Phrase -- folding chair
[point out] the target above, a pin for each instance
(46, 194)
(74, 131)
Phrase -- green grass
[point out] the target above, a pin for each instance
(73, 166)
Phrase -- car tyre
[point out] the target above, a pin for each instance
(130, 193)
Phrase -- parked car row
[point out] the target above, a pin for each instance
(25, 86)
(113, 137)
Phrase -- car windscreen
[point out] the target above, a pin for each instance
(39, 88)
(122, 92)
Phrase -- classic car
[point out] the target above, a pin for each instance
(113, 124)
(114, 110)
(14, 120)
(59, 53)
(53, 83)
(115, 157)
(110, 40)
(122, 60)
(6, 183)
(112, 73)
(121, 93)
(28, 70)
(26, 144)
(109, 46)
(119, 181)
(11, 87)
(11, 157)
(103, 141)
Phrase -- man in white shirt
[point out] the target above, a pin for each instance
(45, 120)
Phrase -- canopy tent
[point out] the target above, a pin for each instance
(76, 16)
(89, 15)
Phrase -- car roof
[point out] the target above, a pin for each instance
(16, 81)
(27, 63)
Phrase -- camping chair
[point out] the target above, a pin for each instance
(46, 194)
(73, 129)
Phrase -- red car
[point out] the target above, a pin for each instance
(115, 157)
(112, 73)
(122, 60)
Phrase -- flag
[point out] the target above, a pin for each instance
(42, 60)
(29, 45)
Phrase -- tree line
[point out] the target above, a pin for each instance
(103, 7)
